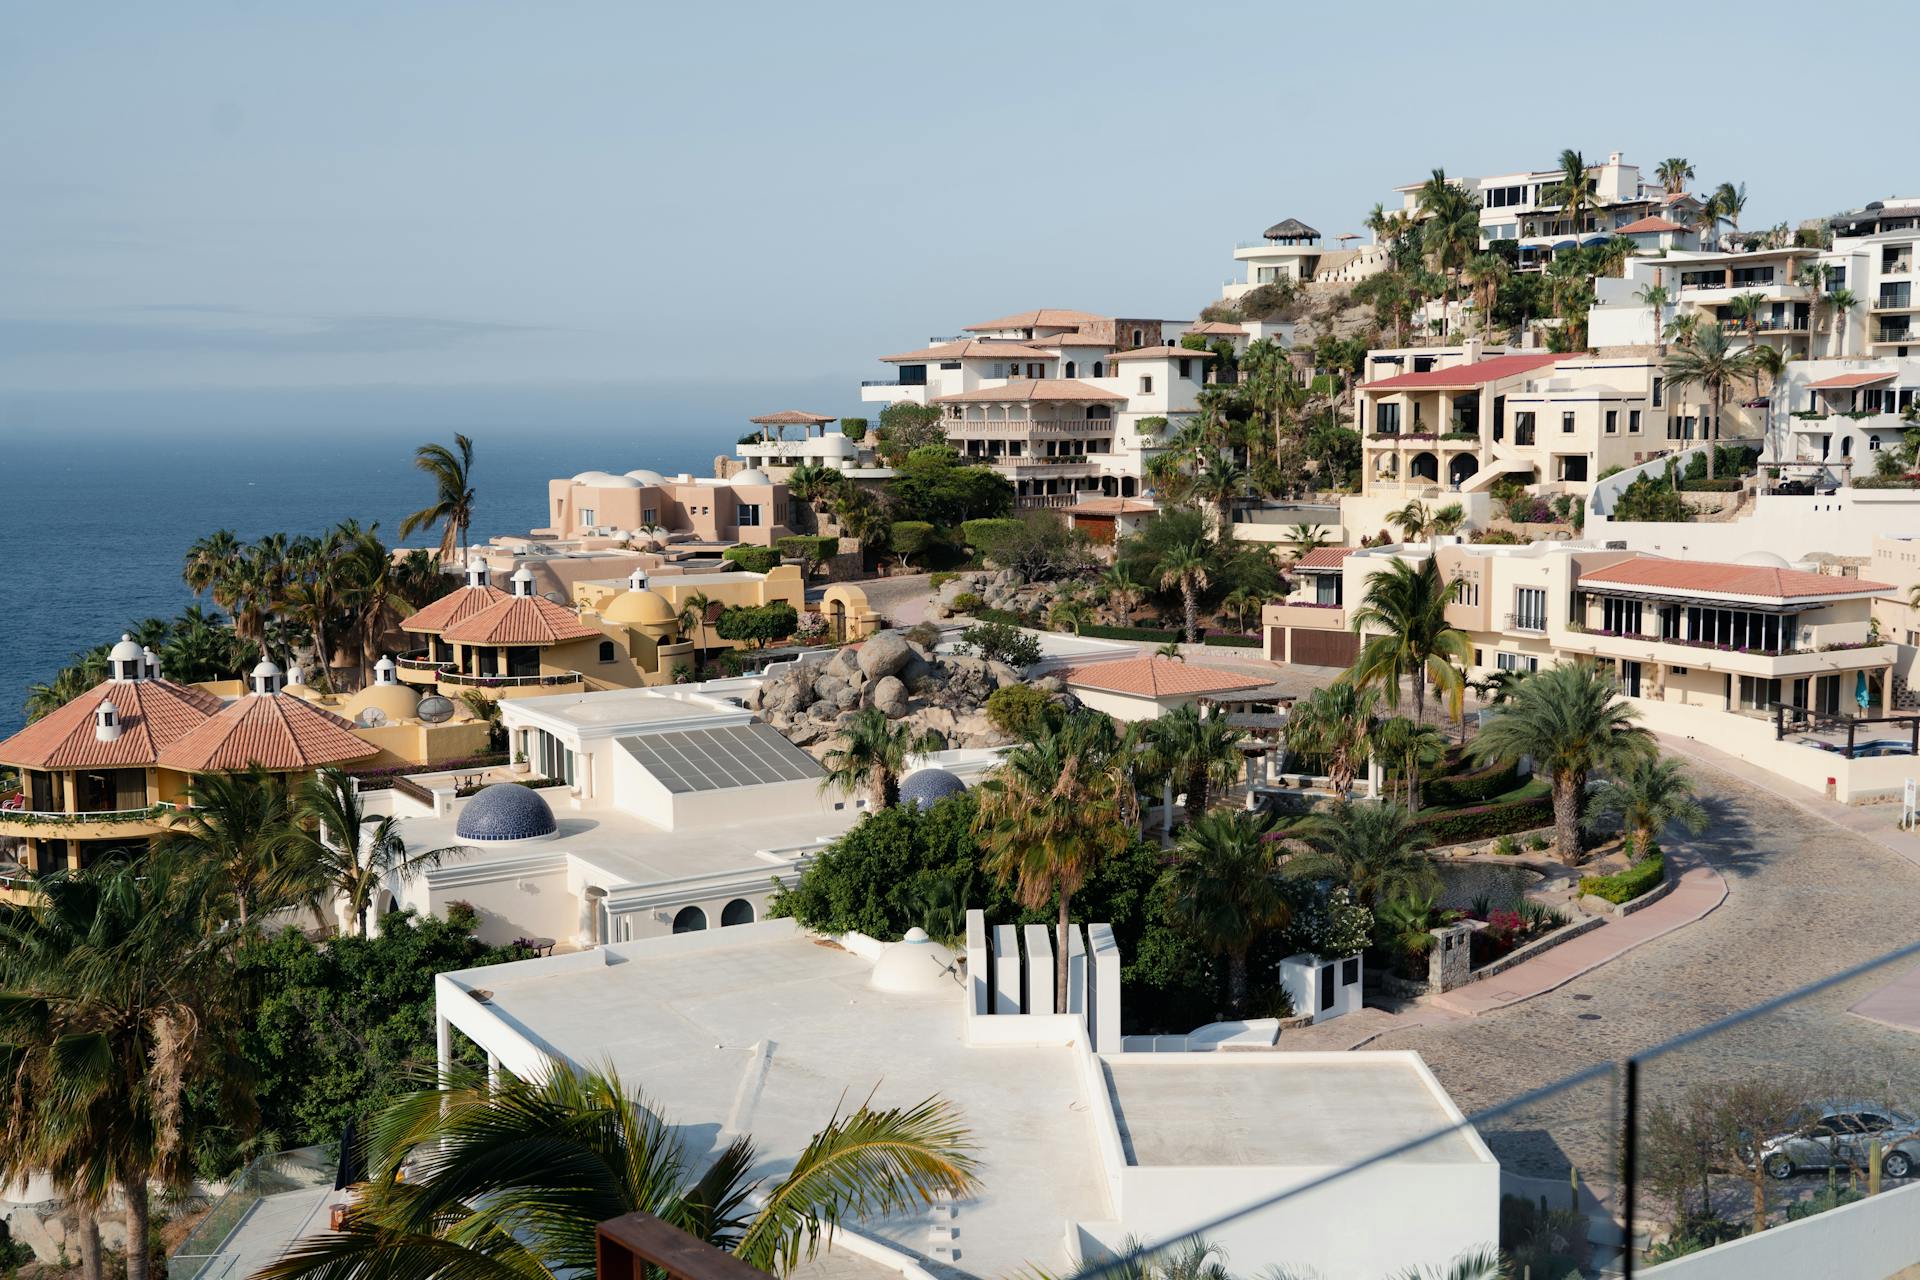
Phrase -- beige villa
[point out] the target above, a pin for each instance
(747, 507)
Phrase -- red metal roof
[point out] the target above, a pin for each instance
(1704, 577)
(274, 731)
(1477, 374)
(453, 607)
(1156, 677)
(1648, 225)
(152, 713)
(1842, 381)
(1324, 558)
(520, 620)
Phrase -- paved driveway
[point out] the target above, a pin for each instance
(1805, 900)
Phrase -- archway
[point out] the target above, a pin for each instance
(1128, 488)
(1463, 467)
(739, 911)
(689, 920)
(1424, 466)
(837, 620)
(1072, 370)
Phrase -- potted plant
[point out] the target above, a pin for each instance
(520, 762)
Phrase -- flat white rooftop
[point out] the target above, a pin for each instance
(617, 707)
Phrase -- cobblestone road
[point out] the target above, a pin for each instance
(1805, 901)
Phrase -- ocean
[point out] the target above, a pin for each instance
(96, 526)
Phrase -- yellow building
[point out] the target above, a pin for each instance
(722, 591)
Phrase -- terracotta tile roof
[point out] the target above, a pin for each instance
(520, 620)
(152, 714)
(1460, 377)
(1324, 558)
(1708, 578)
(1161, 353)
(793, 418)
(274, 731)
(1648, 225)
(1074, 340)
(1842, 381)
(1156, 678)
(1220, 327)
(969, 349)
(1046, 318)
(1024, 389)
(1112, 507)
(453, 607)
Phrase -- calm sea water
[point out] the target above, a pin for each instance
(95, 528)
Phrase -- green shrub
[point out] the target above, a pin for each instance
(1005, 617)
(753, 559)
(1476, 787)
(1719, 484)
(1130, 633)
(1537, 843)
(810, 549)
(853, 428)
(1456, 826)
(1001, 642)
(941, 577)
(1225, 640)
(758, 625)
(980, 534)
(1506, 847)
(912, 538)
(1022, 711)
(1624, 886)
(968, 602)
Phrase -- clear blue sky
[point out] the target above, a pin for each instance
(201, 196)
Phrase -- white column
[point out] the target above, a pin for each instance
(583, 935)
(443, 1047)
(493, 1070)
(1251, 802)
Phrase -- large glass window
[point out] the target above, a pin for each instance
(1386, 418)
(747, 514)
(1530, 608)
(1523, 427)
(1620, 615)
(551, 757)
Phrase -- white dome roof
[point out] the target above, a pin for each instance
(752, 475)
(836, 446)
(266, 667)
(914, 965)
(645, 476)
(1767, 558)
(606, 480)
(126, 651)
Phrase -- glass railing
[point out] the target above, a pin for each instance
(218, 1248)
(1780, 1140)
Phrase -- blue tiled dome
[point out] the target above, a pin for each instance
(924, 788)
(505, 811)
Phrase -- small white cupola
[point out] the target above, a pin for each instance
(150, 662)
(523, 582)
(106, 721)
(383, 672)
(127, 661)
(476, 572)
(266, 677)
(295, 675)
(637, 580)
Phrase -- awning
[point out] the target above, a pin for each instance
(1841, 382)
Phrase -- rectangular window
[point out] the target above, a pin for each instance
(1757, 693)
(1633, 422)
(1566, 423)
(1613, 422)
(1186, 367)
(1529, 609)
(949, 365)
(1466, 591)
(1146, 386)
(586, 517)
(1658, 385)
(1621, 615)
(747, 515)
(1523, 427)
(1386, 419)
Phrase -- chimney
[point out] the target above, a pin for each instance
(1470, 351)
(637, 580)
(150, 663)
(383, 672)
(523, 582)
(294, 674)
(266, 677)
(476, 572)
(106, 721)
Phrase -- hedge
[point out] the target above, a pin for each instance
(1131, 633)
(823, 547)
(1230, 640)
(1007, 616)
(382, 779)
(978, 533)
(1624, 886)
(1476, 787)
(753, 559)
(1455, 826)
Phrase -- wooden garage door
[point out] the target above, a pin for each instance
(1324, 648)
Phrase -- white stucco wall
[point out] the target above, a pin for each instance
(1867, 1240)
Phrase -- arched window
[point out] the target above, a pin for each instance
(1098, 412)
(1136, 337)
(739, 911)
(690, 920)
(1072, 371)
(606, 651)
(1099, 369)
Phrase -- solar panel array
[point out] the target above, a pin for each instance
(746, 755)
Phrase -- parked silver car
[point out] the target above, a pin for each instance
(1840, 1135)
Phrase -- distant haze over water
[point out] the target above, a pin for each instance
(101, 494)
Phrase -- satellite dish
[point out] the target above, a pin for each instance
(371, 718)
(435, 709)
(556, 598)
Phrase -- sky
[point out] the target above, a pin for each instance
(256, 215)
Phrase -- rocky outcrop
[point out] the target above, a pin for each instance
(1000, 590)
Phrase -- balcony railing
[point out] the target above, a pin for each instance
(1526, 622)
(61, 818)
(1901, 301)
(1884, 334)
(963, 428)
(509, 682)
(420, 662)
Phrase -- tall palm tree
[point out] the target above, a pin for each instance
(337, 849)
(1123, 591)
(1224, 890)
(1450, 230)
(693, 617)
(1715, 366)
(1411, 520)
(1656, 297)
(1239, 600)
(872, 752)
(1569, 720)
(36, 1140)
(451, 471)
(1573, 189)
(1414, 747)
(1747, 308)
(1674, 174)
(1486, 274)
(1841, 301)
(1683, 330)
(1197, 751)
(1406, 607)
(1186, 565)
(239, 826)
(1055, 809)
(1706, 221)
(511, 1181)
(1370, 849)
(116, 1005)
(208, 559)
(1730, 202)
(1335, 726)
(1647, 793)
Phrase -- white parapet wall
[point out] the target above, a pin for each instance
(1039, 971)
(1007, 971)
(1867, 1240)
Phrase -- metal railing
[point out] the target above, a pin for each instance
(1526, 622)
(509, 682)
(1897, 301)
(63, 817)
(1884, 334)
(637, 1246)
(209, 1250)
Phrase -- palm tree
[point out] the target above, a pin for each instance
(1674, 174)
(116, 1006)
(1706, 221)
(693, 617)
(1055, 809)
(1335, 726)
(37, 1141)
(872, 752)
(1414, 747)
(1302, 538)
(1171, 650)
(1683, 329)
(240, 826)
(1649, 792)
(1239, 600)
(208, 559)
(1123, 591)
(1406, 605)
(1224, 890)
(1570, 721)
(453, 501)
(1199, 752)
(1444, 523)
(1411, 520)
(1730, 201)
(1486, 274)
(510, 1180)
(1369, 848)
(1748, 308)
(1070, 613)
(339, 849)
(1186, 565)
(1658, 299)
(1841, 301)
(1714, 365)
(1451, 230)
(1573, 190)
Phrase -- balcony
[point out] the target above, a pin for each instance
(1530, 623)
(969, 428)
(1826, 657)
(1304, 613)
(460, 680)
(90, 825)
(1894, 300)
(1902, 335)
